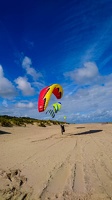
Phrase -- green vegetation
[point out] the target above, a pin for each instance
(9, 121)
(42, 124)
(6, 123)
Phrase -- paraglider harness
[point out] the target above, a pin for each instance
(62, 128)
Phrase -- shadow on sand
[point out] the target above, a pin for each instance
(4, 132)
(87, 132)
(80, 127)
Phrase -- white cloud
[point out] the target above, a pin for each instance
(24, 86)
(84, 75)
(95, 116)
(25, 105)
(92, 103)
(27, 63)
(7, 89)
(89, 99)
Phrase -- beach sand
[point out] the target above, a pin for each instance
(38, 163)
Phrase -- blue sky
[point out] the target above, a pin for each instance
(66, 42)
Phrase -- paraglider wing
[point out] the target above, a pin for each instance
(57, 107)
(51, 113)
(46, 93)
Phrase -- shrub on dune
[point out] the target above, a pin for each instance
(6, 123)
(42, 124)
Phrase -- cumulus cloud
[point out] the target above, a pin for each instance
(27, 63)
(84, 75)
(24, 86)
(88, 99)
(25, 105)
(89, 104)
(7, 89)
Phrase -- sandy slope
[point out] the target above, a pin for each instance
(40, 163)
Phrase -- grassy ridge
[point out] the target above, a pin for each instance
(9, 121)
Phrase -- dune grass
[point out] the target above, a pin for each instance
(9, 121)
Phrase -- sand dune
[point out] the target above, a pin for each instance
(39, 163)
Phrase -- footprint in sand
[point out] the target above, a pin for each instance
(13, 185)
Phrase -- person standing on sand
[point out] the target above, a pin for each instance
(62, 129)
